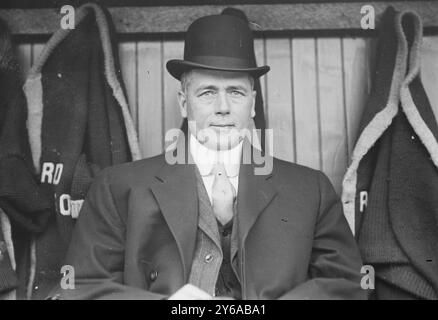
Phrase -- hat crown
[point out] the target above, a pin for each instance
(218, 42)
(220, 36)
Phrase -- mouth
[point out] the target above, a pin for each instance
(226, 126)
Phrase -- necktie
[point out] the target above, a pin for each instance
(223, 195)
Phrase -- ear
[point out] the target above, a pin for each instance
(254, 95)
(182, 101)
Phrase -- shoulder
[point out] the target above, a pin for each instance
(131, 173)
(287, 169)
(299, 176)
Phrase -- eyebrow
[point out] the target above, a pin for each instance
(213, 87)
(206, 87)
(242, 88)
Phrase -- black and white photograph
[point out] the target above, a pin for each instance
(227, 150)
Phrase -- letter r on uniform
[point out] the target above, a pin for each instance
(47, 172)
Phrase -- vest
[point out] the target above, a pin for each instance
(208, 262)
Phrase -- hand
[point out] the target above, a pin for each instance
(190, 292)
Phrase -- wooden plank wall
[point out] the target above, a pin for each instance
(314, 94)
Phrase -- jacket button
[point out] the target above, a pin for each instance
(153, 275)
(208, 258)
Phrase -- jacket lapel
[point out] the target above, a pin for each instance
(207, 220)
(175, 192)
(254, 195)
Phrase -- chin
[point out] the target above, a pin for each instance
(219, 139)
(223, 142)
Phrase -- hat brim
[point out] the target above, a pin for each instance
(177, 67)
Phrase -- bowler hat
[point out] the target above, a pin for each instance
(218, 42)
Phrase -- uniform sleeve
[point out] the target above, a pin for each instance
(8, 277)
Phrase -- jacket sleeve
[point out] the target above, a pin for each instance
(334, 268)
(96, 252)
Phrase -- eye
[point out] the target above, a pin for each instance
(237, 93)
(206, 93)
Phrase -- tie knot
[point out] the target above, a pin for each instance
(230, 170)
(219, 169)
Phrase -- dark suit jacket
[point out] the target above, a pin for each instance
(135, 237)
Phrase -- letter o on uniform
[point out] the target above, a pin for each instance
(64, 204)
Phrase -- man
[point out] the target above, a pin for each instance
(211, 225)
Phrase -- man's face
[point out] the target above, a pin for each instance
(218, 105)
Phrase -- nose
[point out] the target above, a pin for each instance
(222, 104)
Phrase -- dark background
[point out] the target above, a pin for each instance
(122, 3)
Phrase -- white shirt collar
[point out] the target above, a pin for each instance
(206, 158)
